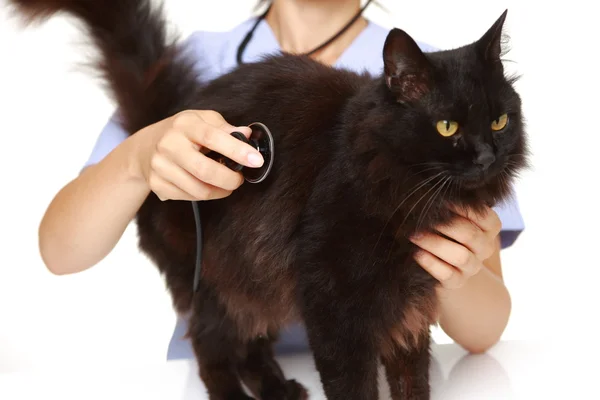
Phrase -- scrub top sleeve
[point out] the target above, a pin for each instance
(111, 135)
(512, 222)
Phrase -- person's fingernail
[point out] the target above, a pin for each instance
(416, 236)
(255, 159)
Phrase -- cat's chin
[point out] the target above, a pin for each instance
(474, 180)
(471, 183)
(481, 184)
(488, 190)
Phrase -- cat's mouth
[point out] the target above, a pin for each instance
(475, 179)
(470, 183)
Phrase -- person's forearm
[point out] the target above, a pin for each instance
(476, 315)
(89, 215)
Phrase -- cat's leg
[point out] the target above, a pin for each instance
(263, 376)
(344, 350)
(217, 347)
(407, 370)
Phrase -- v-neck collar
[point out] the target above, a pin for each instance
(265, 42)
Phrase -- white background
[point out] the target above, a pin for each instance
(51, 114)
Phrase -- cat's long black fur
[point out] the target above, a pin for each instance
(360, 166)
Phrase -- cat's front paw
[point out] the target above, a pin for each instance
(292, 390)
(295, 391)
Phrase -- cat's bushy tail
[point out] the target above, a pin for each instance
(146, 72)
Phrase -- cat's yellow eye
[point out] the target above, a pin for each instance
(447, 128)
(500, 123)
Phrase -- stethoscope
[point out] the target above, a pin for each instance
(244, 43)
(260, 138)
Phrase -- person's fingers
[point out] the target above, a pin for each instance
(450, 252)
(165, 190)
(223, 143)
(447, 275)
(219, 140)
(469, 235)
(215, 119)
(204, 168)
(488, 221)
(210, 171)
(180, 178)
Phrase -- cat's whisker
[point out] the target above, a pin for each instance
(421, 198)
(429, 163)
(442, 193)
(511, 158)
(427, 167)
(419, 186)
(504, 176)
(421, 172)
(439, 184)
(448, 194)
(440, 165)
(455, 189)
(431, 168)
(510, 169)
(428, 204)
(449, 188)
(413, 191)
(431, 202)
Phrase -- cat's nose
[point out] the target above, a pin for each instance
(485, 159)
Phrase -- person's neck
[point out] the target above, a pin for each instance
(302, 25)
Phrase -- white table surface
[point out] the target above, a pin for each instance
(511, 370)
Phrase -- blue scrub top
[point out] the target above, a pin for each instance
(217, 55)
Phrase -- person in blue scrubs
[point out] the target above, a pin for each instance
(88, 216)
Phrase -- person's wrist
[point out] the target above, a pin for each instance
(131, 151)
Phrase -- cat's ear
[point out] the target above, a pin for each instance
(407, 70)
(490, 44)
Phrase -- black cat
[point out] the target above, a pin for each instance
(361, 163)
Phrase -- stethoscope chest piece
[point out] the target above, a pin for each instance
(262, 140)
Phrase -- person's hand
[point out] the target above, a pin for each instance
(454, 263)
(170, 156)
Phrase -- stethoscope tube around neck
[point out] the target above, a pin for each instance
(244, 43)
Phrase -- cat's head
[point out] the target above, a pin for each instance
(463, 112)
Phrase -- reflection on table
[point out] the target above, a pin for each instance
(454, 374)
(511, 370)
